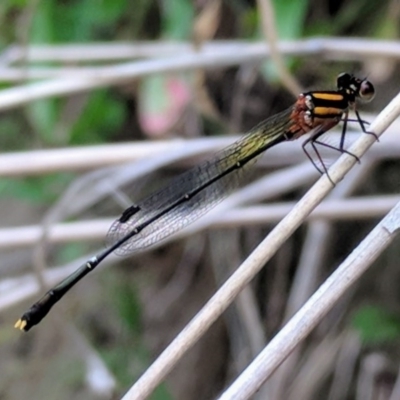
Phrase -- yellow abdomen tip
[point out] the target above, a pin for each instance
(20, 324)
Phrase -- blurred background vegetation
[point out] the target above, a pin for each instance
(120, 319)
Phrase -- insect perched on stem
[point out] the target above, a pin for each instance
(196, 191)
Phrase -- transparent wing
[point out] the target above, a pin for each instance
(195, 192)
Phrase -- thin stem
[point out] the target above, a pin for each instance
(297, 329)
(94, 230)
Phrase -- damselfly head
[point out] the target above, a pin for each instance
(355, 87)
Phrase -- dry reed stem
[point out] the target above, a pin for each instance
(267, 14)
(306, 319)
(37, 162)
(315, 247)
(78, 53)
(95, 230)
(192, 60)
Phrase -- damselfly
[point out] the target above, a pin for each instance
(196, 191)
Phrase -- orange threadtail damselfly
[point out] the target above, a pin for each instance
(195, 192)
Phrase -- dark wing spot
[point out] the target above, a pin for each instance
(127, 214)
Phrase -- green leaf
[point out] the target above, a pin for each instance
(42, 115)
(42, 30)
(100, 119)
(290, 18)
(352, 12)
(376, 325)
(128, 306)
(39, 190)
(178, 18)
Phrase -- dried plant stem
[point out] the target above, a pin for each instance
(78, 53)
(225, 295)
(267, 13)
(305, 281)
(191, 60)
(316, 308)
(94, 230)
(36, 162)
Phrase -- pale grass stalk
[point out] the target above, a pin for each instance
(320, 361)
(346, 365)
(306, 319)
(225, 295)
(396, 389)
(307, 273)
(345, 209)
(96, 229)
(111, 75)
(267, 14)
(372, 366)
(97, 375)
(125, 72)
(315, 246)
(37, 162)
(78, 53)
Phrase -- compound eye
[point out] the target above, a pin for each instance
(367, 91)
